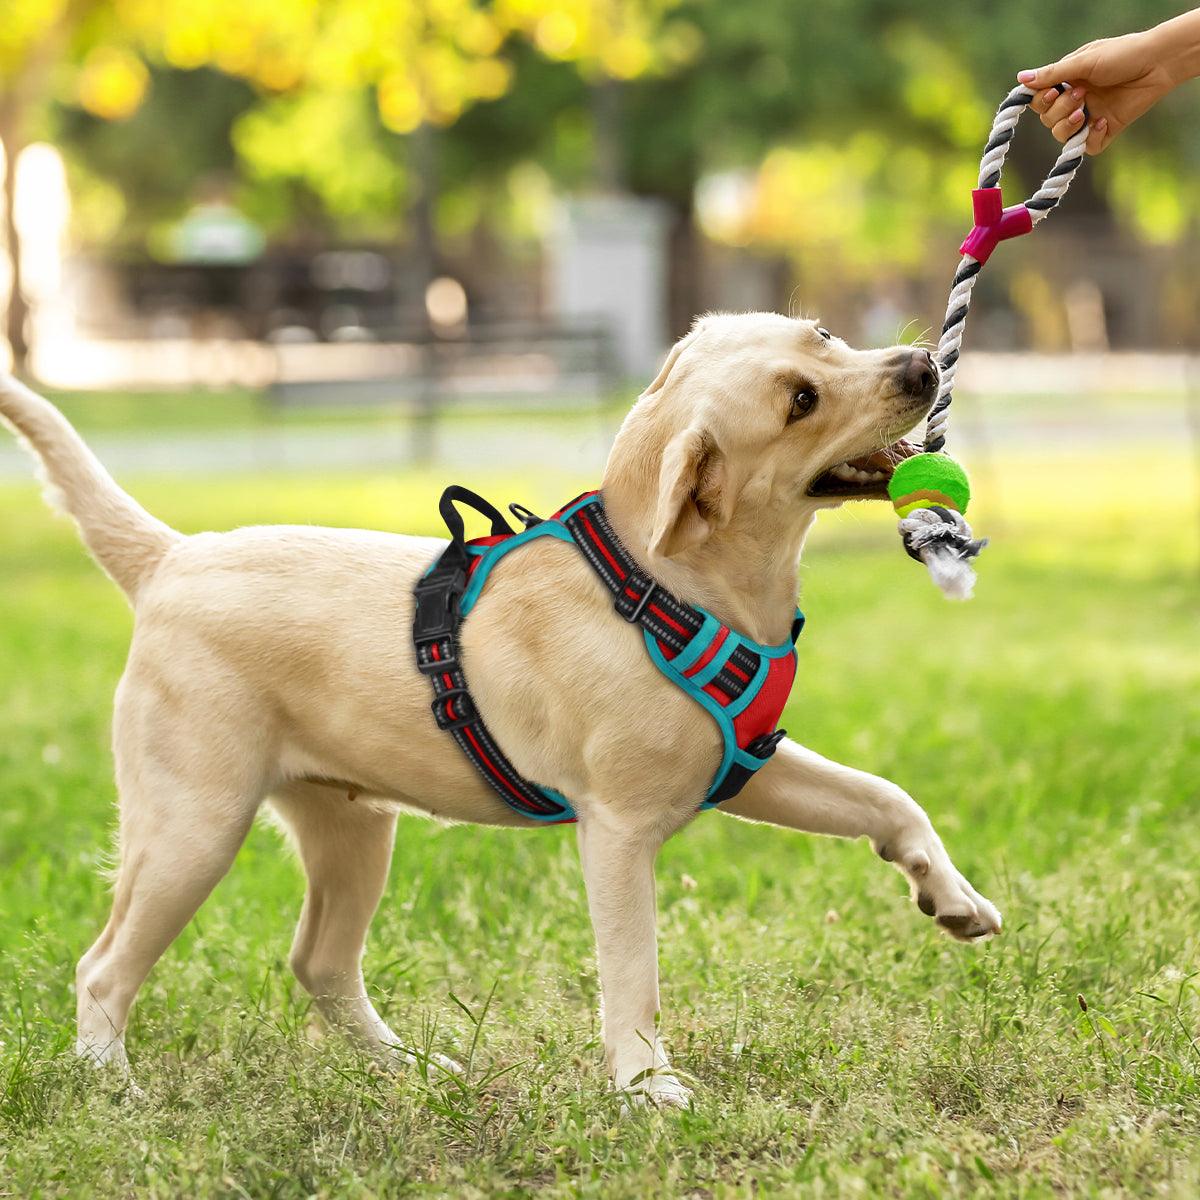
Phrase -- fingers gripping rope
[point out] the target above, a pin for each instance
(993, 224)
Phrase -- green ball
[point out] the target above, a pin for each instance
(928, 479)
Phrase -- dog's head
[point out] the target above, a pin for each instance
(757, 417)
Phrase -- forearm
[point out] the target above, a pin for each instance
(1176, 44)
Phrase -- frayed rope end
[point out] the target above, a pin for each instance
(954, 575)
(941, 539)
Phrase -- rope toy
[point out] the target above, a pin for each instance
(930, 491)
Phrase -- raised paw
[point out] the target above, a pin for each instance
(941, 891)
(956, 906)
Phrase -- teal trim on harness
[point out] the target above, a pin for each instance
(721, 713)
(490, 555)
(715, 664)
(572, 509)
(729, 746)
(686, 659)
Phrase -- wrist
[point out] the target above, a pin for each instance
(1174, 47)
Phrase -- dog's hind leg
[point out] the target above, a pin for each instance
(798, 789)
(188, 793)
(345, 846)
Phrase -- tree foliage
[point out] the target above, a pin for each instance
(848, 127)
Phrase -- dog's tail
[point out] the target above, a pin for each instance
(121, 535)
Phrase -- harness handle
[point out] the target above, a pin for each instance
(456, 494)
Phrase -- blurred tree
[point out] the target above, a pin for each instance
(130, 175)
(858, 124)
(298, 125)
(851, 129)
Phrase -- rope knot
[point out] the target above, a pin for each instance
(942, 540)
(993, 223)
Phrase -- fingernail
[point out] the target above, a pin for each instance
(1101, 125)
(1026, 76)
(1076, 116)
(1077, 93)
(1050, 96)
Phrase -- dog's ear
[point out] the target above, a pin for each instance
(693, 494)
(672, 358)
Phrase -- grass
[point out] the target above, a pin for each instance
(219, 410)
(836, 1044)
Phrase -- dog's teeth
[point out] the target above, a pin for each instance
(849, 474)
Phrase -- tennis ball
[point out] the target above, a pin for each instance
(928, 479)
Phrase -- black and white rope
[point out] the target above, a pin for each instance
(1040, 205)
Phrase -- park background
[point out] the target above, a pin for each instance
(308, 262)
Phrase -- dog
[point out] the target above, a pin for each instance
(273, 665)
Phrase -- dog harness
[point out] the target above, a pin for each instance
(741, 684)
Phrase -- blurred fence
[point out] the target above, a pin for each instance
(1056, 404)
(526, 362)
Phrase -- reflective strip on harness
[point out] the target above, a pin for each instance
(741, 684)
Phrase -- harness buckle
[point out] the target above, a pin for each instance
(467, 714)
(647, 588)
(437, 596)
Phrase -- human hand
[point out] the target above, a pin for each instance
(1118, 78)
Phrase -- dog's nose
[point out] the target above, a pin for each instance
(919, 375)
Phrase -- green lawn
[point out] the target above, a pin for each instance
(837, 1045)
(223, 409)
(219, 410)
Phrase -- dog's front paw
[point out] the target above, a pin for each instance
(659, 1088)
(956, 906)
(942, 892)
(393, 1058)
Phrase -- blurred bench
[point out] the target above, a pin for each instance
(540, 363)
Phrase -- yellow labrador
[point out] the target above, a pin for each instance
(275, 664)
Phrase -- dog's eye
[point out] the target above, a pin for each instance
(824, 333)
(803, 402)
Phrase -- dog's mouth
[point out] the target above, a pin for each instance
(864, 478)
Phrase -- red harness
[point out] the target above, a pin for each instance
(742, 684)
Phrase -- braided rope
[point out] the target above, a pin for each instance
(1039, 205)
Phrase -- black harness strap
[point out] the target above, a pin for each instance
(643, 602)
(436, 621)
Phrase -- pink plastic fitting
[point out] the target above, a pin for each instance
(993, 223)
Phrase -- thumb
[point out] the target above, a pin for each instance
(1066, 70)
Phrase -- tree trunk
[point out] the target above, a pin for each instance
(425, 263)
(16, 318)
(608, 165)
(685, 282)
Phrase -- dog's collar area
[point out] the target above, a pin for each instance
(743, 685)
(636, 596)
